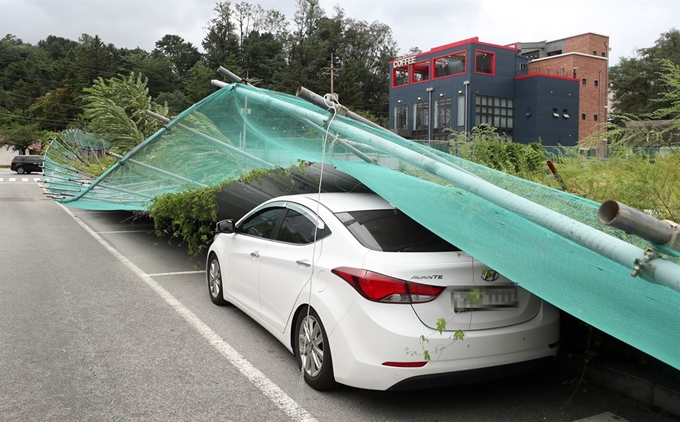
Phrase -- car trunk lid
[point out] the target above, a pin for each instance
(475, 296)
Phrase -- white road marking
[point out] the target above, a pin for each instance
(257, 378)
(23, 179)
(176, 273)
(126, 231)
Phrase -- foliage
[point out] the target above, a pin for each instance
(484, 145)
(20, 137)
(635, 80)
(117, 108)
(669, 97)
(188, 215)
(191, 215)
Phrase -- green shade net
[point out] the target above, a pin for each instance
(550, 242)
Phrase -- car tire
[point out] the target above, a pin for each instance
(312, 351)
(213, 275)
(20, 170)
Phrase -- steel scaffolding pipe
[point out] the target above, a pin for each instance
(630, 220)
(659, 271)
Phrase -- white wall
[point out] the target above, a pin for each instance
(6, 155)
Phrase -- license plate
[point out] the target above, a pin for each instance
(484, 297)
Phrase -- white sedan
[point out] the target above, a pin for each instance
(357, 291)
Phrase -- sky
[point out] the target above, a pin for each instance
(630, 24)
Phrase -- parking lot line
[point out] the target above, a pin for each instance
(257, 378)
(176, 273)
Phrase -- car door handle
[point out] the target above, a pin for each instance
(255, 254)
(303, 263)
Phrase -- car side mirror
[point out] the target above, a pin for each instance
(225, 226)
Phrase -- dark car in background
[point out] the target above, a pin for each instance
(27, 164)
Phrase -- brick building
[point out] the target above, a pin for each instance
(584, 57)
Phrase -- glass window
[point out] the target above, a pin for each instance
(584, 81)
(300, 229)
(460, 118)
(495, 111)
(263, 223)
(420, 71)
(484, 62)
(401, 116)
(452, 64)
(392, 231)
(565, 113)
(442, 113)
(400, 76)
(421, 115)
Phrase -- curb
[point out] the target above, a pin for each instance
(654, 390)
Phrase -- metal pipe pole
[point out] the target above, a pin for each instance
(635, 222)
(664, 272)
(320, 101)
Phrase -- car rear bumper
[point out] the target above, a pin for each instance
(473, 375)
(384, 335)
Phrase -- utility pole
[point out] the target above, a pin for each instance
(331, 70)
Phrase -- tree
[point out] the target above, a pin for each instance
(156, 68)
(635, 81)
(20, 137)
(197, 84)
(669, 95)
(183, 55)
(117, 107)
(90, 60)
(221, 41)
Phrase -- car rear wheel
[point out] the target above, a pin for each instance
(214, 277)
(20, 170)
(312, 351)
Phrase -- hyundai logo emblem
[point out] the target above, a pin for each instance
(489, 275)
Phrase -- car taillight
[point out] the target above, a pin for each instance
(381, 288)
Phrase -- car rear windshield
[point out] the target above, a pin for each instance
(392, 231)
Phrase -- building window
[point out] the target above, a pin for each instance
(484, 62)
(494, 111)
(401, 116)
(400, 76)
(555, 112)
(460, 115)
(583, 116)
(453, 64)
(420, 71)
(442, 113)
(420, 116)
(528, 112)
(565, 113)
(603, 54)
(596, 83)
(595, 117)
(584, 82)
(594, 53)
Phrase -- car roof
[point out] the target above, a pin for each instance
(340, 201)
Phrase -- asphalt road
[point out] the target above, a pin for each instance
(100, 320)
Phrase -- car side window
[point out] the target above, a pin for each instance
(299, 228)
(263, 223)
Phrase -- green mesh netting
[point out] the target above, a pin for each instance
(548, 241)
